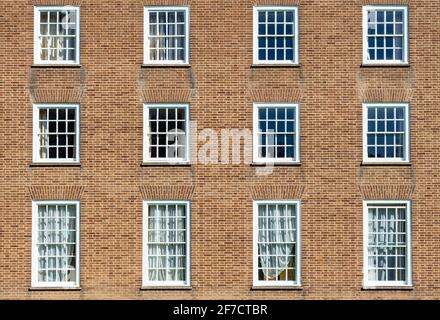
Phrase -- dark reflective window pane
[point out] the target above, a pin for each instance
(62, 153)
(52, 114)
(380, 113)
(52, 153)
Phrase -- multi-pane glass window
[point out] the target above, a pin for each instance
(56, 133)
(57, 35)
(387, 243)
(276, 35)
(166, 136)
(55, 244)
(386, 132)
(166, 243)
(276, 136)
(385, 34)
(166, 35)
(276, 243)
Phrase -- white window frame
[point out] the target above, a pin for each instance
(260, 283)
(256, 158)
(35, 141)
(35, 282)
(37, 49)
(186, 52)
(256, 61)
(405, 53)
(146, 157)
(406, 152)
(374, 284)
(145, 281)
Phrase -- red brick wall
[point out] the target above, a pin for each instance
(221, 86)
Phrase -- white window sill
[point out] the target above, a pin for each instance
(280, 164)
(372, 64)
(55, 164)
(386, 163)
(55, 289)
(146, 288)
(59, 65)
(275, 65)
(397, 287)
(274, 287)
(165, 163)
(166, 65)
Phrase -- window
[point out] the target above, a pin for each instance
(276, 243)
(387, 243)
(55, 244)
(166, 243)
(166, 133)
(385, 35)
(166, 35)
(386, 132)
(276, 132)
(276, 35)
(56, 133)
(56, 35)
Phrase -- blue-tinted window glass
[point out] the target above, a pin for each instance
(271, 113)
(271, 54)
(382, 132)
(380, 113)
(385, 35)
(283, 131)
(380, 16)
(271, 16)
(275, 31)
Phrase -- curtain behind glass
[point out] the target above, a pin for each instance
(276, 239)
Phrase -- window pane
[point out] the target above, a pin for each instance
(389, 24)
(166, 245)
(276, 242)
(283, 131)
(56, 252)
(386, 247)
(160, 133)
(389, 139)
(163, 28)
(58, 36)
(54, 132)
(280, 26)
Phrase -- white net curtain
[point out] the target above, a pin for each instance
(276, 242)
(167, 243)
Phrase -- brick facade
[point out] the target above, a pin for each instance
(221, 85)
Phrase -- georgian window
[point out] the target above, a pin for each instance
(166, 133)
(55, 244)
(276, 243)
(166, 243)
(276, 35)
(166, 35)
(56, 35)
(56, 133)
(387, 243)
(386, 132)
(276, 132)
(385, 35)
